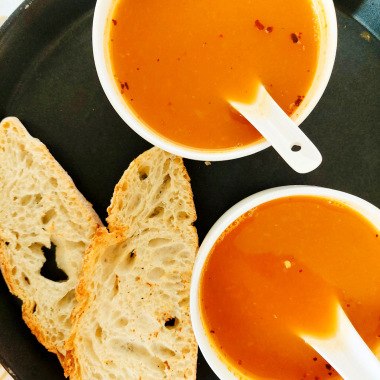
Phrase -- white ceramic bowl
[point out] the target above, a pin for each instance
(219, 365)
(100, 37)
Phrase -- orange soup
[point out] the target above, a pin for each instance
(280, 271)
(178, 63)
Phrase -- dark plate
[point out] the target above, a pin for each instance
(48, 80)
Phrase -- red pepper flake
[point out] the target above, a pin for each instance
(328, 366)
(259, 25)
(126, 85)
(239, 362)
(298, 101)
(158, 60)
(114, 22)
(269, 29)
(330, 373)
(221, 36)
(294, 38)
(300, 270)
(169, 104)
(377, 235)
(131, 99)
(138, 69)
(122, 86)
(122, 91)
(348, 305)
(212, 331)
(315, 359)
(304, 375)
(316, 378)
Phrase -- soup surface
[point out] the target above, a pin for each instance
(178, 63)
(280, 270)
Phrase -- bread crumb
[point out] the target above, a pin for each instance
(208, 163)
(287, 264)
(366, 36)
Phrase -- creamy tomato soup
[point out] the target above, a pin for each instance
(280, 271)
(178, 63)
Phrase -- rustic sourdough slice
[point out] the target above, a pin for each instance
(40, 208)
(133, 319)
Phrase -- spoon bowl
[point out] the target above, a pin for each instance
(346, 351)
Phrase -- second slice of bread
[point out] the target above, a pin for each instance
(133, 318)
(40, 208)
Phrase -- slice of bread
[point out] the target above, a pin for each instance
(133, 318)
(40, 209)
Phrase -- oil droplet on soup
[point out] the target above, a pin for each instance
(178, 63)
(280, 272)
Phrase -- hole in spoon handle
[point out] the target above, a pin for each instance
(296, 147)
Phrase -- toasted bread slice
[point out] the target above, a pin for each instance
(133, 318)
(40, 209)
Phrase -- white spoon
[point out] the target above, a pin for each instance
(347, 352)
(277, 127)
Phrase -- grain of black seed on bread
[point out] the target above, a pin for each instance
(133, 317)
(41, 207)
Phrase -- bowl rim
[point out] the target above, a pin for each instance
(221, 367)
(327, 54)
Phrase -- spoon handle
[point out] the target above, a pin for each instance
(279, 129)
(347, 352)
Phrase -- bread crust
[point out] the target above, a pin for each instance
(41, 154)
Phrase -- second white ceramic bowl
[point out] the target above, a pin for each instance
(218, 365)
(100, 39)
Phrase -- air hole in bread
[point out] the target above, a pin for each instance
(155, 274)
(157, 212)
(14, 271)
(38, 198)
(98, 332)
(144, 172)
(53, 181)
(182, 215)
(115, 288)
(184, 302)
(29, 162)
(121, 322)
(50, 269)
(34, 308)
(7, 243)
(166, 165)
(158, 242)
(25, 200)
(26, 278)
(22, 154)
(68, 301)
(162, 351)
(163, 187)
(171, 322)
(51, 214)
